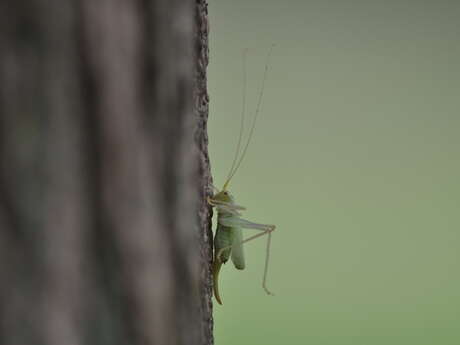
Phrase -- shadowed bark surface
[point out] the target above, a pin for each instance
(104, 229)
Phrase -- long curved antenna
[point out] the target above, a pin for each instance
(243, 110)
(259, 102)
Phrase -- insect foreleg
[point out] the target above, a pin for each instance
(216, 203)
(225, 207)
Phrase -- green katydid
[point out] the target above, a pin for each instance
(228, 240)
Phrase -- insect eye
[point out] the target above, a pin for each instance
(225, 193)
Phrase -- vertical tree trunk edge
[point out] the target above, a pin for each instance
(202, 108)
(105, 231)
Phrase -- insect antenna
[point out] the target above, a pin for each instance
(251, 131)
(243, 113)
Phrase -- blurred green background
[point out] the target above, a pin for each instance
(355, 158)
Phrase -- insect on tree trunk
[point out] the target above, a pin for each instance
(104, 173)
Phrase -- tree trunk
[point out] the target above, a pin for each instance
(104, 228)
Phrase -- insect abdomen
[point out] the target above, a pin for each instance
(237, 249)
(223, 239)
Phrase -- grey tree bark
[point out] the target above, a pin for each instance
(104, 172)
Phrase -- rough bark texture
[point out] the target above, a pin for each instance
(201, 106)
(104, 229)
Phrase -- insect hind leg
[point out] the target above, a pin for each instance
(266, 230)
(267, 255)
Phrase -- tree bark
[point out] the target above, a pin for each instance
(104, 172)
